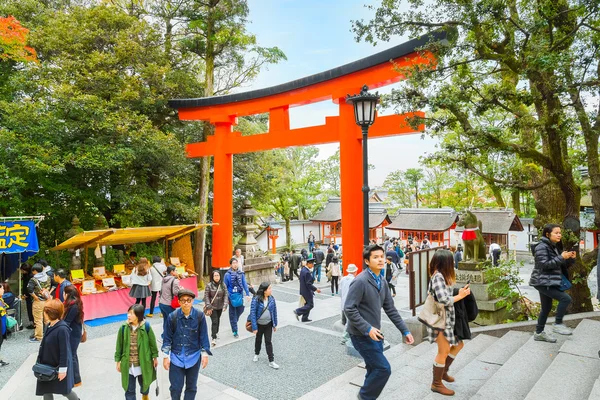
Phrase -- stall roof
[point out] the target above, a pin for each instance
(424, 219)
(497, 222)
(127, 236)
(332, 211)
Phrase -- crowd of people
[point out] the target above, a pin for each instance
(186, 340)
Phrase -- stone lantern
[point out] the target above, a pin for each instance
(247, 227)
(74, 231)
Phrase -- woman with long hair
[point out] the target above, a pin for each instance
(55, 351)
(550, 269)
(73, 316)
(141, 279)
(215, 302)
(334, 267)
(263, 316)
(443, 277)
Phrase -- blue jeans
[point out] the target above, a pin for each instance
(130, 393)
(165, 310)
(177, 377)
(378, 367)
(234, 315)
(317, 272)
(311, 246)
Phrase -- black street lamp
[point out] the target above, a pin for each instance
(364, 115)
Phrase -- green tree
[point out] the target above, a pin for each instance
(510, 59)
(215, 31)
(398, 190)
(413, 177)
(88, 130)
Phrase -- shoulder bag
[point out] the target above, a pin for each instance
(44, 372)
(208, 311)
(84, 334)
(249, 321)
(433, 314)
(44, 292)
(564, 283)
(174, 299)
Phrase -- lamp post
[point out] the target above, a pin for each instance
(364, 116)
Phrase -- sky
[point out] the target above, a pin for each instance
(315, 35)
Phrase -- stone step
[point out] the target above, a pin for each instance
(472, 376)
(569, 377)
(519, 374)
(413, 380)
(595, 394)
(585, 340)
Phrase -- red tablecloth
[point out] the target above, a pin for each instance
(117, 302)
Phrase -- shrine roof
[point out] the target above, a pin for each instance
(497, 222)
(385, 56)
(424, 219)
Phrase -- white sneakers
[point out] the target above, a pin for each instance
(561, 329)
(273, 365)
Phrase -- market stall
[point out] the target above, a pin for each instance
(106, 293)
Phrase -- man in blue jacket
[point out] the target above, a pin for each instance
(60, 279)
(368, 293)
(235, 282)
(307, 290)
(186, 345)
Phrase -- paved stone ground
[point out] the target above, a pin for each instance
(309, 354)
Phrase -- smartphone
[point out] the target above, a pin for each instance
(468, 282)
(575, 248)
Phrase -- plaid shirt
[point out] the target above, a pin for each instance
(442, 293)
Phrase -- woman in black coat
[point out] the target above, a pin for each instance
(551, 264)
(55, 350)
(73, 316)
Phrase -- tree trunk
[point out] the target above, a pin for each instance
(288, 233)
(498, 195)
(205, 161)
(516, 201)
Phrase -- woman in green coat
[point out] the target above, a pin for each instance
(136, 354)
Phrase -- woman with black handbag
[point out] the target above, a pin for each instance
(215, 302)
(443, 277)
(54, 367)
(73, 316)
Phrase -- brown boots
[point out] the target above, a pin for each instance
(437, 385)
(447, 377)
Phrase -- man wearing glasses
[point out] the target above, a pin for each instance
(186, 346)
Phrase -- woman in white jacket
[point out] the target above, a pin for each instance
(157, 271)
(141, 279)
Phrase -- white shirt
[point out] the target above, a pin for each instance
(344, 286)
(240, 260)
(157, 270)
(140, 280)
(494, 246)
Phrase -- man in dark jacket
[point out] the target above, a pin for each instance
(295, 262)
(307, 290)
(60, 279)
(366, 296)
(551, 265)
(319, 257)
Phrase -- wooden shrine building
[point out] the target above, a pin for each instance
(435, 223)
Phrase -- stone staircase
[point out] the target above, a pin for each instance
(512, 367)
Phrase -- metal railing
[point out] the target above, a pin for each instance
(418, 276)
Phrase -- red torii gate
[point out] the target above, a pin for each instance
(375, 71)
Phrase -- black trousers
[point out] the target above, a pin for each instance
(29, 304)
(215, 318)
(292, 273)
(267, 331)
(153, 301)
(141, 301)
(547, 294)
(304, 311)
(334, 281)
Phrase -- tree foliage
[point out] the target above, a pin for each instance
(510, 80)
